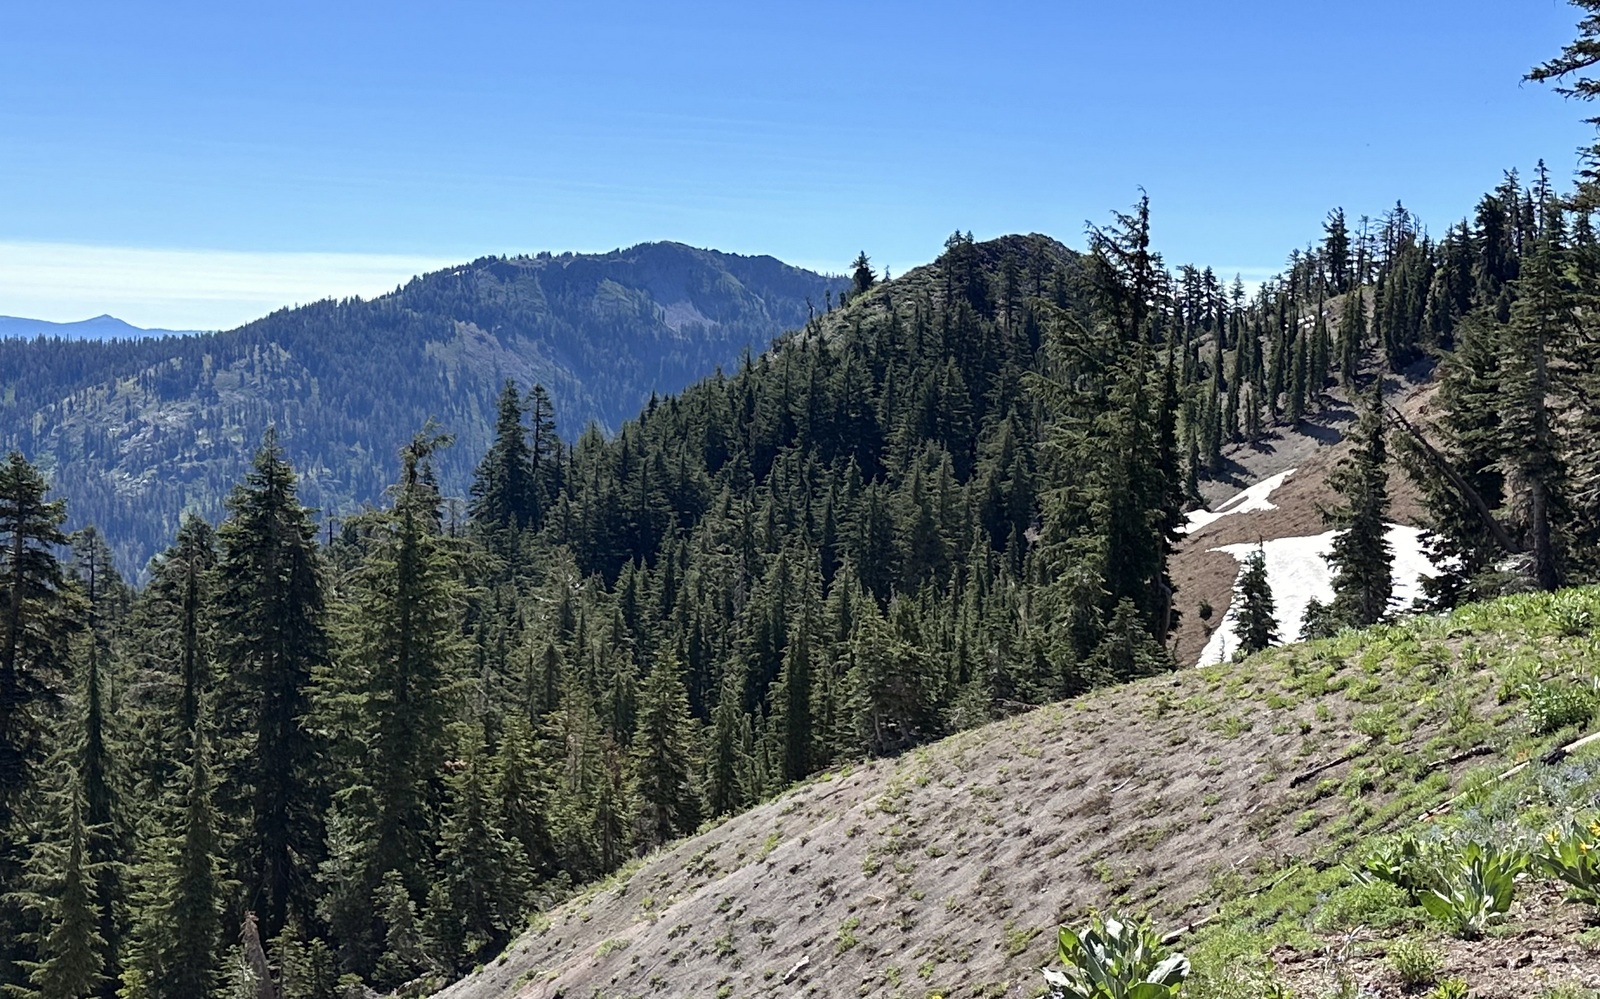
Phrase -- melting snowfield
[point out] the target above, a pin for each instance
(1252, 500)
(1298, 572)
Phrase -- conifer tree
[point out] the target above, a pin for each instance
(1540, 325)
(70, 962)
(503, 483)
(861, 276)
(1352, 335)
(470, 915)
(101, 812)
(1360, 557)
(38, 611)
(889, 683)
(392, 697)
(522, 791)
(36, 614)
(190, 899)
(271, 640)
(727, 754)
(1336, 250)
(405, 945)
(1568, 72)
(664, 802)
(173, 619)
(545, 470)
(792, 723)
(1255, 624)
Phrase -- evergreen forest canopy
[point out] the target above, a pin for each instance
(140, 432)
(292, 764)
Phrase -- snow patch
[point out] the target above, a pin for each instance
(1297, 572)
(1252, 500)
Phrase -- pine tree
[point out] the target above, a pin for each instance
(664, 803)
(861, 276)
(393, 696)
(522, 790)
(726, 756)
(471, 916)
(1255, 624)
(1352, 336)
(405, 945)
(106, 841)
(1567, 71)
(189, 965)
(61, 891)
(503, 483)
(271, 640)
(791, 717)
(889, 684)
(173, 618)
(1336, 250)
(1540, 325)
(1360, 557)
(36, 614)
(545, 470)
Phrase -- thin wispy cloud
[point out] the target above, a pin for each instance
(186, 289)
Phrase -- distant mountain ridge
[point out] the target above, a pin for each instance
(139, 431)
(101, 327)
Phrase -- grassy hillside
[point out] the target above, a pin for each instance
(1239, 789)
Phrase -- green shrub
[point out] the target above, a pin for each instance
(1476, 882)
(1111, 959)
(1570, 614)
(1557, 704)
(1415, 963)
(1451, 988)
(1572, 854)
(1397, 860)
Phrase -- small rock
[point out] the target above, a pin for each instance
(798, 967)
(1521, 960)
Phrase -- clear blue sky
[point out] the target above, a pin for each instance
(275, 152)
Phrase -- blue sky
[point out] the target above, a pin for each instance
(195, 165)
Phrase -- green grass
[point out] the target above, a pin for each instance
(1471, 677)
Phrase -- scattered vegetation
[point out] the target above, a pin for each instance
(1113, 959)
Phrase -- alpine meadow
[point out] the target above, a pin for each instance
(1037, 621)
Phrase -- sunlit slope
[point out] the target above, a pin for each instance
(945, 871)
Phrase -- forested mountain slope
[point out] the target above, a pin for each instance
(140, 432)
(1238, 790)
(951, 500)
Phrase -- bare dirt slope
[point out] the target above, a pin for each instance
(1312, 449)
(944, 872)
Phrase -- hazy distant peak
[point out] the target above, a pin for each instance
(101, 327)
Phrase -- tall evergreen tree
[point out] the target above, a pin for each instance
(665, 802)
(1360, 557)
(1541, 325)
(38, 611)
(471, 916)
(503, 484)
(392, 697)
(60, 893)
(36, 614)
(272, 638)
(187, 962)
(861, 276)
